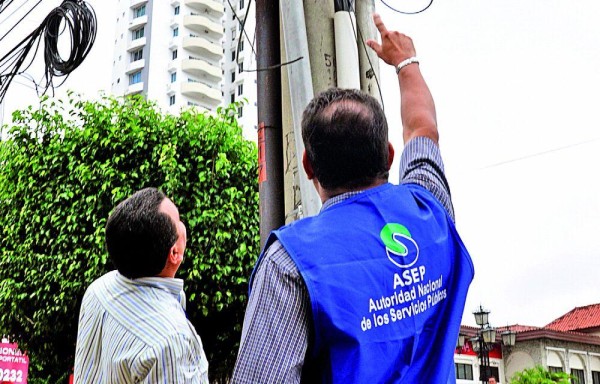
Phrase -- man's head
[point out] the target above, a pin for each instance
(345, 135)
(144, 236)
(492, 380)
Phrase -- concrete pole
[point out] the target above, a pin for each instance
(270, 145)
(368, 60)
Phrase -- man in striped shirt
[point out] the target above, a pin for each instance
(372, 289)
(132, 323)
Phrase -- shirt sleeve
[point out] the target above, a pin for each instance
(174, 360)
(276, 326)
(421, 163)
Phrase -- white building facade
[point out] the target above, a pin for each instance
(239, 62)
(178, 53)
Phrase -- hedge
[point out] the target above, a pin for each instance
(65, 165)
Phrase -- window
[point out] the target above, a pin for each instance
(240, 110)
(242, 45)
(232, 55)
(232, 98)
(174, 54)
(240, 89)
(595, 377)
(137, 33)
(137, 55)
(173, 77)
(556, 370)
(175, 32)
(139, 11)
(241, 67)
(176, 10)
(578, 376)
(232, 76)
(135, 77)
(233, 34)
(172, 100)
(241, 4)
(463, 371)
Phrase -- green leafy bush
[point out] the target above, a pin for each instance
(539, 375)
(63, 168)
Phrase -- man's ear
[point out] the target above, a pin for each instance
(390, 155)
(307, 166)
(176, 253)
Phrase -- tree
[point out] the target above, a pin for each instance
(539, 375)
(65, 165)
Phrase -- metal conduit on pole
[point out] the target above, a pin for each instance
(270, 142)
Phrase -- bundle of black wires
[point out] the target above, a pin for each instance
(74, 16)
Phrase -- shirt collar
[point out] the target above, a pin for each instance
(170, 284)
(338, 199)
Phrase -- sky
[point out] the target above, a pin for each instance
(516, 85)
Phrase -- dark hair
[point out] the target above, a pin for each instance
(345, 135)
(138, 236)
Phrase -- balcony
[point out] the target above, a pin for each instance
(136, 3)
(134, 88)
(136, 44)
(203, 48)
(204, 25)
(202, 69)
(138, 22)
(135, 66)
(202, 92)
(211, 7)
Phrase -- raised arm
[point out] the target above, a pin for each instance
(416, 106)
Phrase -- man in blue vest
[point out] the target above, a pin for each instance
(372, 289)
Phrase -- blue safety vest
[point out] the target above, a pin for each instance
(387, 276)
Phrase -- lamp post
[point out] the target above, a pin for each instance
(486, 337)
(484, 341)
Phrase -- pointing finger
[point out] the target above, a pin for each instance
(374, 46)
(379, 23)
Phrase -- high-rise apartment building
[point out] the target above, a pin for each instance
(182, 53)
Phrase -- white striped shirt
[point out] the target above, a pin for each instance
(136, 331)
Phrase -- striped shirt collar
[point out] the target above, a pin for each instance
(346, 195)
(170, 284)
(338, 199)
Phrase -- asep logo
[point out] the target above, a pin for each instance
(401, 249)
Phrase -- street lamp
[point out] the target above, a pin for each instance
(509, 338)
(486, 336)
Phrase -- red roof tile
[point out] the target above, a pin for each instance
(579, 319)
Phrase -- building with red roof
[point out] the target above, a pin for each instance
(571, 344)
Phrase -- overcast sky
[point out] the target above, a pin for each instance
(516, 85)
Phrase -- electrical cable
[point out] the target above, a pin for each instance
(407, 13)
(362, 40)
(344, 5)
(21, 19)
(5, 4)
(80, 21)
(13, 12)
(243, 30)
(242, 24)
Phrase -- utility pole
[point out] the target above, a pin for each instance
(270, 143)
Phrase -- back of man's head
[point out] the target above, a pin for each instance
(138, 236)
(345, 135)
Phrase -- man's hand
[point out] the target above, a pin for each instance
(394, 48)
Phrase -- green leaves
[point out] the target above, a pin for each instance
(539, 375)
(68, 163)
